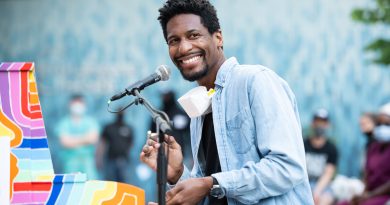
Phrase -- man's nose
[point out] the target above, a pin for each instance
(185, 46)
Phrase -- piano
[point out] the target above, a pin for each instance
(27, 175)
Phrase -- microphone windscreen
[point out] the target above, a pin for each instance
(164, 72)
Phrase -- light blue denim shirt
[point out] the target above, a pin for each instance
(258, 135)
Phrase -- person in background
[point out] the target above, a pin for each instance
(112, 155)
(377, 169)
(377, 177)
(78, 134)
(321, 158)
(367, 125)
(181, 123)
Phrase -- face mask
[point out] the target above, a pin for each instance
(197, 102)
(320, 132)
(77, 109)
(382, 133)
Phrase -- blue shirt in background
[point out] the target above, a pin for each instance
(80, 159)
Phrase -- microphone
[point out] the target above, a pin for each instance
(162, 73)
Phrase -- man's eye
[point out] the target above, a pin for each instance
(172, 41)
(194, 35)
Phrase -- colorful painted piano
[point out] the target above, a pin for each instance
(26, 170)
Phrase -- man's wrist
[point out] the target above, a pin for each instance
(176, 178)
(208, 183)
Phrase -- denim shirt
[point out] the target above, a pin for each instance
(258, 135)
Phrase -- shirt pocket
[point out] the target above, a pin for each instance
(240, 131)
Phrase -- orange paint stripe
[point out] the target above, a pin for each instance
(126, 189)
(34, 99)
(14, 172)
(13, 127)
(25, 98)
(33, 87)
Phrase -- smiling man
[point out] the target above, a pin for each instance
(249, 149)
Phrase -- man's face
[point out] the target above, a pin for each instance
(367, 124)
(77, 107)
(192, 48)
(320, 127)
(320, 123)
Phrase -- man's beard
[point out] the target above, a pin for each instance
(195, 76)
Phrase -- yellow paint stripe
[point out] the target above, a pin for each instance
(107, 193)
(16, 137)
(5, 131)
(45, 178)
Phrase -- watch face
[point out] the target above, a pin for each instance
(217, 192)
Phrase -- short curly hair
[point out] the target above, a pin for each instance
(203, 8)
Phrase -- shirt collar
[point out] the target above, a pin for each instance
(224, 71)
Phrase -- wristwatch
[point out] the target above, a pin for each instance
(217, 191)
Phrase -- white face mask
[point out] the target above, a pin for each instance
(77, 109)
(382, 133)
(197, 101)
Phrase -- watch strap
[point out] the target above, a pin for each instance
(215, 181)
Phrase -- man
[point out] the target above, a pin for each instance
(78, 134)
(321, 158)
(117, 139)
(249, 149)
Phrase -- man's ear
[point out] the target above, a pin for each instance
(218, 38)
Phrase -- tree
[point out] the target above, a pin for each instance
(379, 14)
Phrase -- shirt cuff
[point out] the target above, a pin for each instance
(226, 181)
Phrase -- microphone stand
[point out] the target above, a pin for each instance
(162, 127)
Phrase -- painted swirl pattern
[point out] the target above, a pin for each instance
(32, 178)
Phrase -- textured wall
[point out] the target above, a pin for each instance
(98, 47)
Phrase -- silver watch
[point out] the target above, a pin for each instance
(217, 191)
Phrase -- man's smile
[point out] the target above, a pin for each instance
(190, 60)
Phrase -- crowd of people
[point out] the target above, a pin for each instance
(103, 152)
(322, 155)
(89, 149)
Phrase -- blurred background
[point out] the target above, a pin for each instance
(97, 48)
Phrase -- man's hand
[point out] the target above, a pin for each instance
(189, 191)
(175, 161)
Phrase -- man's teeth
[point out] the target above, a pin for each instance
(193, 59)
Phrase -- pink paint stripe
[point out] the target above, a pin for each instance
(38, 132)
(16, 103)
(16, 66)
(29, 197)
(4, 66)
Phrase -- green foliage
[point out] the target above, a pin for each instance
(379, 14)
